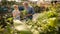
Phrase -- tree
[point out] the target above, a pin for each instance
(4, 2)
(24, 0)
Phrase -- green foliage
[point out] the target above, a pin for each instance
(47, 23)
(25, 32)
(23, 14)
(4, 2)
(23, 0)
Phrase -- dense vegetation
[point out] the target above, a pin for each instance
(48, 22)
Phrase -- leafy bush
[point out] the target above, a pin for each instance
(45, 24)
